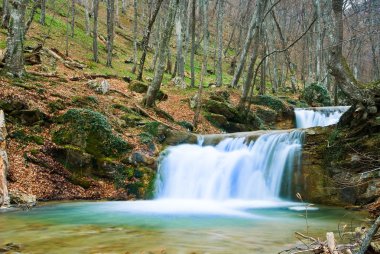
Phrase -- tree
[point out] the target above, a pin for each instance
(14, 57)
(363, 99)
(180, 61)
(43, 12)
(251, 33)
(72, 17)
(145, 40)
(6, 14)
(95, 32)
(134, 36)
(110, 30)
(192, 62)
(154, 87)
(219, 71)
(204, 6)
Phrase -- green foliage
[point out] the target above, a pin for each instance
(57, 105)
(316, 95)
(90, 131)
(84, 101)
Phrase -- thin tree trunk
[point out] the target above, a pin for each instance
(14, 55)
(204, 6)
(254, 24)
(192, 56)
(219, 71)
(95, 32)
(145, 40)
(117, 23)
(135, 52)
(110, 30)
(124, 6)
(43, 12)
(86, 16)
(72, 17)
(317, 7)
(180, 62)
(154, 87)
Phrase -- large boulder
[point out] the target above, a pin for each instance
(316, 95)
(224, 109)
(91, 132)
(21, 198)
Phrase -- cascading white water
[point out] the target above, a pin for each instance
(323, 116)
(232, 169)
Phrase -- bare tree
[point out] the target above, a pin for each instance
(154, 87)
(192, 56)
(145, 40)
(43, 12)
(72, 17)
(180, 61)
(110, 30)
(204, 6)
(219, 70)
(95, 32)
(135, 21)
(6, 14)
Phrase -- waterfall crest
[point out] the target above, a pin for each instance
(323, 116)
(232, 169)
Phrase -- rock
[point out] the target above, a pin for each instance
(141, 87)
(132, 120)
(29, 117)
(217, 120)
(4, 196)
(316, 95)
(193, 101)
(138, 86)
(139, 157)
(140, 182)
(278, 105)
(107, 168)
(173, 137)
(101, 87)
(266, 114)
(127, 79)
(10, 104)
(89, 131)
(11, 248)
(20, 198)
(223, 109)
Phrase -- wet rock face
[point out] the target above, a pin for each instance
(337, 170)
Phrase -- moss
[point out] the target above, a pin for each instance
(77, 179)
(140, 182)
(316, 95)
(186, 125)
(84, 101)
(272, 102)
(131, 119)
(23, 137)
(90, 131)
(57, 105)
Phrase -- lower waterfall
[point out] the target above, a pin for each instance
(233, 169)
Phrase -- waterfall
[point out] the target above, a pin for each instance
(233, 169)
(323, 116)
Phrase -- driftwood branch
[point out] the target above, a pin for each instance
(368, 236)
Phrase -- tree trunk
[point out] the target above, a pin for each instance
(145, 40)
(95, 32)
(364, 100)
(110, 30)
(192, 56)
(180, 62)
(219, 70)
(72, 17)
(154, 87)
(14, 57)
(204, 6)
(87, 16)
(124, 6)
(254, 24)
(135, 52)
(43, 12)
(6, 14)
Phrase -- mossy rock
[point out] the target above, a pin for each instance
(316, 95)
(268, 115)
(140, 182)
(138, 86)
(56, 105)
(22, 136)
(141, 87)
(186, 125)
(84, 101)
(30, 116)
(9, 104)
(91, 132)
(222, 96)
(278, 105)
(131, 120)
(224, 109)
(217, 120)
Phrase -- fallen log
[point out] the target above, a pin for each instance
(369, 236)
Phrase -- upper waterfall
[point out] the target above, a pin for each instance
(319, 116)
(233, 169)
